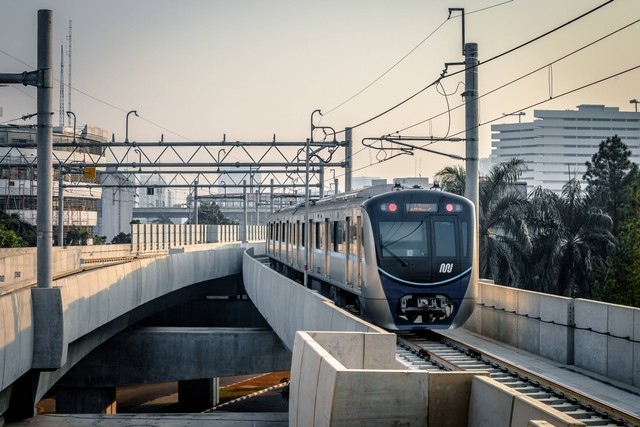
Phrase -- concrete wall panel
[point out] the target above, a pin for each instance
(636, 364)
(555, 309)
(528, 304)
(620, 360)
(525, 408)
(449, 396)
(556, 342)
(325, 392)
(620, 321)
(592, 315)
(491, 403)
(529, 334)
(591, 351)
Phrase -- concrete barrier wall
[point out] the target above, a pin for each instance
(611, 333)
(494, 404)
(290, 307)
(353, 379)
(19, 265)
(37, 325)
(603, 338)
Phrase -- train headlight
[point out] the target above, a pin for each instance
(389, 207)
(453, 207)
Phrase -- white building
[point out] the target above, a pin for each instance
(18, 175)
(557, 144)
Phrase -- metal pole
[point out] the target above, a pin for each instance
(335, 186)
(60, 208)
(347, 157)
(321, 179)
(45, 147)
(245, 211)
(271, 203)
(258, 205)
(306, 219)
(195, 203)
(472, 190)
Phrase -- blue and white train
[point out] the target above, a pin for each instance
(402, 257)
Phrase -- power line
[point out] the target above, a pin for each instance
(569, 92)
(520, 46)
(524, 75)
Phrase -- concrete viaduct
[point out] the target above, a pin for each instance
(54, 337)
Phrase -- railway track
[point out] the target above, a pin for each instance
(430, 351)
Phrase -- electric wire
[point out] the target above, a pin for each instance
(569, 92)
(500, 55)
(409, 53)
(523, 76)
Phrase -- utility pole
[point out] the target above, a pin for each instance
(45, 147)
(471, 123)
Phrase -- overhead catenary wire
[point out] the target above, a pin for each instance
(535, 104)
(500, 55)
(517, 79)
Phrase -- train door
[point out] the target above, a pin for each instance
(311, 244)
(327, 246)
(445, 260)
(287, 238)
(347, 263)
(358, 244)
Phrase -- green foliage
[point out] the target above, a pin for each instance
(16, 233)
(210, 213)
(121, 238)
(76, 236)
(99, 240)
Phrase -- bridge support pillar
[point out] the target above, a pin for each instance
(197, 395)
(85, 400)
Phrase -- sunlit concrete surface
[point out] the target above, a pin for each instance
(223, 419)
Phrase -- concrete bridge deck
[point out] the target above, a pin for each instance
(599, 338)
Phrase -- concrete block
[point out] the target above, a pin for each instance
(556, 342)
(591, 351)
(310, 369)
(636, 364)
(620, 360)
(621, 321)
(507, 331)
(379, 351)
(526, 408)
(50, 337)
(4, 324)
(380, 398)
(25, 328)
(555, 309)
(636, 326)
(490, 404)
(489, 322)
(528, 304)
(325, 392)
(529, 334)
(591, 315)
(10, 335)
(345, 347)
(449, 396)
(474, 322)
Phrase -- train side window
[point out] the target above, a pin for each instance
(464, 234)
(328, 233)
(319, 239)
(353, 238)
(282, 231)
(303, 236)
(339, 236)
(444, 238)
(277, 231)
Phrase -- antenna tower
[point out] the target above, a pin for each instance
(61, 112)
(69, 84)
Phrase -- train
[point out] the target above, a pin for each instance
(402, 258)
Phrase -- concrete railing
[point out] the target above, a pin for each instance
(602, 338)
(354, 379)
(38, 325)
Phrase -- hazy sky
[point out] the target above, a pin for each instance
(251, 69)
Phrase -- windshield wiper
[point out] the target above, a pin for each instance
(400, 260)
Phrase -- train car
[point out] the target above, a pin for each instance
(403, 258)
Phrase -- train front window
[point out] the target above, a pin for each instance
(403, 239)
(445, 238)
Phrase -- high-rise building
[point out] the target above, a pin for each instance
(558, 143)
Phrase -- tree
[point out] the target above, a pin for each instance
(452, 179)
(504, 236)
(121, 238)
(609, 177)
(76, 236)
(569, 235)
(99, 240)
(210, 213)
(17, 233)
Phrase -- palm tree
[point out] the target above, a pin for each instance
(503, 233)
(569, 238)
(452, 179)
(504, 236)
